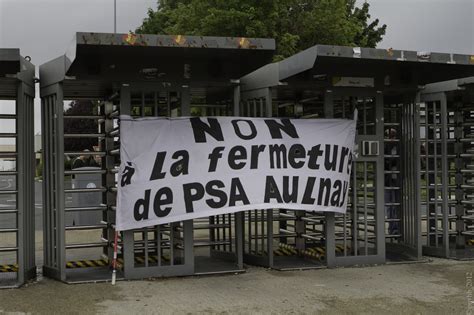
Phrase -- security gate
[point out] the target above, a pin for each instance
(17, 211)
(83, 251)
(279, 238)
(446, 127)
(200, 246)
(164, 250)
(385, 211)
(289, 239)
(439, 202)
(138, 75)
(77, 245)
(358, 235)
(464, 178)
(402, 190)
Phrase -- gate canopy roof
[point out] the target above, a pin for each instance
(466, 81)
(14, 68)
(388, 67)
(97, 61)
(9, 61)
(450, 86)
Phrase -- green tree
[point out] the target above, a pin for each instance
(369, 33)
(295, 24)
(76, 126)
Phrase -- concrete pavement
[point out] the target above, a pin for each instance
(437, 287)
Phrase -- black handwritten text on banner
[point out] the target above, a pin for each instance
(185, 168)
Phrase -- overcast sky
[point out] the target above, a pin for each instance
(43, 29)
(427, 25)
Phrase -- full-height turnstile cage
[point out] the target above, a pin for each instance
(383, 217)
(17, 168)
(447, 175)
(136, 75)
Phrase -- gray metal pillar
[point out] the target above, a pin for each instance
(108, 164)
(380, 197)
(53, 182)
(461, 209)
(268, 103)
(25, 183)
(269, 212)
(186, 102)
(416, 177)
(128, 238)
(236, 101)
(330, 216)
(187, 225)
(445, 173)
(60, 196)
(239, 216)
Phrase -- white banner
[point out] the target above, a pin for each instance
(184, 168)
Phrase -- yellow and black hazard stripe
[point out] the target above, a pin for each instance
(87, 263)
(291, 250)
(151, 259)
(318, 250)
(312, 254)
(340, 248)
(105, 262)
(9, 268)
(278, 252)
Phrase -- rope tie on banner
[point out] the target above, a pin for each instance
(114, 261)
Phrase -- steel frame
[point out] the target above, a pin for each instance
(17, 84)
(90, 71)
(113, 69)
(448, 223)
(310, 76)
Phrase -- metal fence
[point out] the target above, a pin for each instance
(447, 122)
(383, 222)
(17, 168)
(199, 76)
(288, 239)
(140, 76)
(201, 246)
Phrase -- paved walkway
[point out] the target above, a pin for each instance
(437, 287)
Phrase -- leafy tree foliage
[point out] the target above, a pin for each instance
(75, 126)
(295, 24)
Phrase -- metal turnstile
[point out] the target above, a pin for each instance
(279, 238)
(138, 75)
(393, 210)
(402, 191)
(464, 179)
(446, 128)
(77, 245)
(17, 169)
(287, 239)
(201, 246)
(359, 234)
(437, 189)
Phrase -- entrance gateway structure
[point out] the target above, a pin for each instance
(447, 174)
(385, 220)
(137, 75)
(153, 75)
(17, 167)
